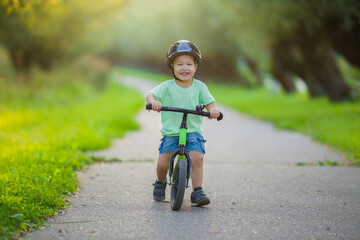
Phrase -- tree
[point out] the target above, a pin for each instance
(43, 31)
(296, 33)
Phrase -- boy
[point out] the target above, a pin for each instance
(183, 59)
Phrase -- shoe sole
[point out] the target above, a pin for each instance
(202, 202)
(159, 200)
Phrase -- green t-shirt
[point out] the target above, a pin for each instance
(172, 95)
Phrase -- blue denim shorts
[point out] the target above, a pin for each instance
(194, 142)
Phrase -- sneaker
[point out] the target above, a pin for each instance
(199, 198)
(159, 190)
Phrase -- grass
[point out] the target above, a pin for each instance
(45, 127)
(335, 124)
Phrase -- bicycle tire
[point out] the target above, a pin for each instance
(178, 188)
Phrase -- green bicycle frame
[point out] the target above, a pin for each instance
(182, 140)
(181, 153)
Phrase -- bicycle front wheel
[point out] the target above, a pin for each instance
(178, 188)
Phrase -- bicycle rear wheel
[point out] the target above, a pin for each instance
(178, 188)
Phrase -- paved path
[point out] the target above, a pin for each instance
(251, 177)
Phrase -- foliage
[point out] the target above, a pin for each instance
(47, 30)
(147, 29)
(239, 39)
(44, 129)
(262, 23)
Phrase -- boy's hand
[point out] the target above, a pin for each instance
(212, 109)
(156, 106)
(214, 113)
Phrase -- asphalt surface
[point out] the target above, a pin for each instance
(251, 176)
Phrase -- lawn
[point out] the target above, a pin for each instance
(45, 127)
(335, 124)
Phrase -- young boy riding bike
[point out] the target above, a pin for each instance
(183, 91)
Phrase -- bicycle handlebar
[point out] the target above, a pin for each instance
(172, 109)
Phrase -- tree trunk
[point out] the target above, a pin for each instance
(314, 87)
(45, 60)
(345, 41)
(223, 68)
(281, 71)
(321, 67)
(255, 70)
(285, 78)
(20, 59)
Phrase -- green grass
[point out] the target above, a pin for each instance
(335, 124)
(45, 127)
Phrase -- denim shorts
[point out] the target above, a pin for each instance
(194, 142)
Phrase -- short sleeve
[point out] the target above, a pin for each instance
(205, 96)
(158, 91)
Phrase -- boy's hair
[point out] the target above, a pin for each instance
(183, 47)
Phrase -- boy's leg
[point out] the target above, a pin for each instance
(163, 165)
(198, 197)
(197, 160)
(161, 170)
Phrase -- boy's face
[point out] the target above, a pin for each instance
(184, 67)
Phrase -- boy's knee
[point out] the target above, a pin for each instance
(163, 161)
(163, 165)
(197, 159)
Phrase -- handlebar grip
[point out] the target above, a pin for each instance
(220, 117)
(205, 114)
(148, 106)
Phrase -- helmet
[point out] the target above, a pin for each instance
(183, 47)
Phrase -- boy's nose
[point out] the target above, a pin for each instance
(185, 67)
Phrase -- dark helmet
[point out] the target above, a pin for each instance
(183, 47)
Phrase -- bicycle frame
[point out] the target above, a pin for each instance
(181, 151)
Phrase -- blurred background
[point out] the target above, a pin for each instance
(299, 45)
(294, 63)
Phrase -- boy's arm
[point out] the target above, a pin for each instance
(156, 105)
(214, 112)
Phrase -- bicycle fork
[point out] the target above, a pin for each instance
(186, 156)
(181, 152)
